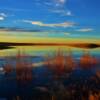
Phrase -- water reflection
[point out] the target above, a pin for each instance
(53, 75)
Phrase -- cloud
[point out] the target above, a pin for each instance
(56, 6)
(68, 13)
(39, 23)
(1, 18)
(60, 7)
(16, 9)
(18, 29)
(60, 2)
(85, 30)
(55, 3)
(48, 3)
(3, 15)
(63, 12)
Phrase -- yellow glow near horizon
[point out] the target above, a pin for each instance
(30, 37)
(46, 40)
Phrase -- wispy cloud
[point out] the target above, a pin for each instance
(19, 29)
(55, 3)
(85, 30)
(56, 6)
(39, 23)
(60, 2)
(59, 8)
(16, 9)
(1, 18)
(68, 13)
(63, 12)
(48, 3)
(3, 14)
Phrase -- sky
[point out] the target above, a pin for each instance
(56, 19)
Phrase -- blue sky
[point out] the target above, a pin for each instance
(80, 18)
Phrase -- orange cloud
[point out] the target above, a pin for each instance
(39, 23)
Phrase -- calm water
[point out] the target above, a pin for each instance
(45, 50)
(9, 86)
